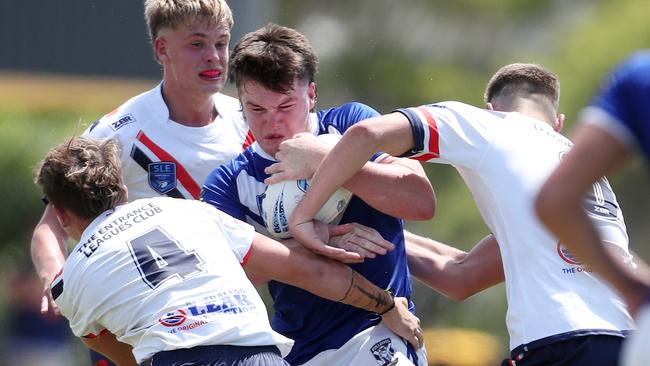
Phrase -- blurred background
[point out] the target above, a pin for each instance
(65, 64)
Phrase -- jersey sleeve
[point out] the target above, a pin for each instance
(238, 234)
(220, 191)
(80, 321)
(338, 120)
(621, 105)
(448, 133)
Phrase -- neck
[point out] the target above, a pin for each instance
(193, 110)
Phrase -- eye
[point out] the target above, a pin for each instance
(286, 107)
(196, 44)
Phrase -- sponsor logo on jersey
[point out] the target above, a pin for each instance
(173, 318)
(122, 121)
(383, 352)
(566, 255)
(162, 176)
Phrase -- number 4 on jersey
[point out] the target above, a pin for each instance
(159, 257)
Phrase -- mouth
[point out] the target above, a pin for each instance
(274, 137)
(211, 74)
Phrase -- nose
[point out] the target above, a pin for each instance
(212, 55)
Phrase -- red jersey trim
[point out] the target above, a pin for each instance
(434, 136)
(249, 140)
(183, 176)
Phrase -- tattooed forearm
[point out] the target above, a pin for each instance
(363, 294)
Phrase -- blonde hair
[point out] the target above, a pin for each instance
(171, 13)
(83, 175)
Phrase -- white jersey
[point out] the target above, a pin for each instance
(163, 274)
(504, 159)
(162, 157)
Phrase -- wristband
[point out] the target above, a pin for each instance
(392, 306)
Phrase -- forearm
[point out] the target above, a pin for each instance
(297, 266)
(400, 189)
(109, 346)
(48, 246)
(568, 221)
(451, 271)
(390, 133)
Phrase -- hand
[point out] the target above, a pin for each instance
(360, 239)
(306, 234)
(47, 302)
(403, 323)
(297, 158)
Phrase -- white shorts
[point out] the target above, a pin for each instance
(636, 348)
(375, 346)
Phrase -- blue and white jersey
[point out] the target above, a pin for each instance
(622, 106)
(504, 158)
(315, 324)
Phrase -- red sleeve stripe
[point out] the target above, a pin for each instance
(92, 336)
(183, 176)
(434, 137)
(249, 140)
(248, 254)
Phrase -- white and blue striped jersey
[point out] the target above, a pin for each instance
(622, 106)
(315, 324)
(504, 158)
(163, 274)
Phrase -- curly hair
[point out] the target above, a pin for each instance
(83, 175)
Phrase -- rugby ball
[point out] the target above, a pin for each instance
(281, 199)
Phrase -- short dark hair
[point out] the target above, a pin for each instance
(83, 175)
(273, 56)
(524, 79)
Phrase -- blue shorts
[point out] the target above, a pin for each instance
(589, 350)
(220, 356)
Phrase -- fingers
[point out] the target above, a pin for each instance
(45, 301)
(338, 254)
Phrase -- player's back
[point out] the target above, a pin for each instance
(162, 274)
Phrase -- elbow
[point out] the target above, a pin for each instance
(424, 208)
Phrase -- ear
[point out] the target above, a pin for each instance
(559, 122)
(160, 49)
(489, 106)
(312, 96)
(63, 216)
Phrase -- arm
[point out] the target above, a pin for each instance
(397, 187)
(299, 267)
(48, 250)
(109, 346)
(559, 206)
(390, 133)
(451, 271)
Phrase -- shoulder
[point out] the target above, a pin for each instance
(342, 117)
(131, 115)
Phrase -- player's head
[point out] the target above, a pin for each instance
(82, 176)
(274, 69)
(190, 40)
(527, 88)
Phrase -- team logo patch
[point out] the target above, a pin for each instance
(173, 318)
(566, 255)
(383, 351)
(162, 176)
(302, 184)
(122, 121)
